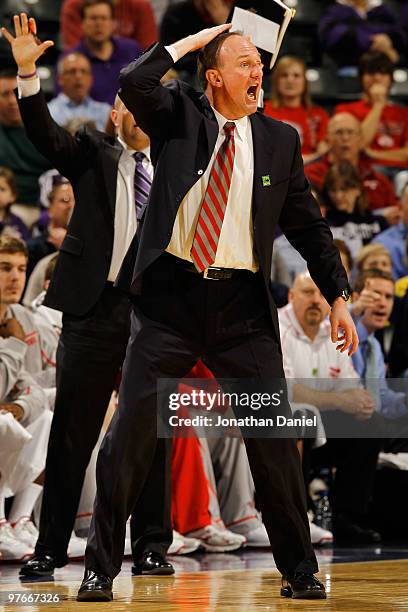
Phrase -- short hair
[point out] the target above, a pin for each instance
(345, 174)
(11, 245)
(371, 273)
(10, 178)
(56, 184)
(88, 3)
(208, 55)
(375, 61)
(281, 65)
(49, 270)
(76, 54)
(343, 248)
(368, 250)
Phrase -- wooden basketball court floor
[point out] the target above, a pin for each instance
(357, 580)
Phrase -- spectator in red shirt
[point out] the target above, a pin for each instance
(384, 125)
(133, 19)
(290, 102)
(345, 141)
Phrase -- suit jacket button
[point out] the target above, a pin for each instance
(200, 172)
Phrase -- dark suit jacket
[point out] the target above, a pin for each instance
(183, 132)
(90, 161)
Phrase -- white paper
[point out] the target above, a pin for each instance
(262, 32)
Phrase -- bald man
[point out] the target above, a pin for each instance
(111, 179)
(345, 140)
(75, 80)
(326, 379)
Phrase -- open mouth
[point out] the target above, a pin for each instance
(252, 92)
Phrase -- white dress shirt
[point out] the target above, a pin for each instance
(315, 363)
(236, 242)
(235, 245)
(125, 223)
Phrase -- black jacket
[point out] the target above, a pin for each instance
(90, 161)
(183, 132)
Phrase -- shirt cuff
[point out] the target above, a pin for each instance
(172, 51)
(28, 87)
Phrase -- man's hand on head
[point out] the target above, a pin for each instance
(11, 328)
(343, 329)
(199, 40)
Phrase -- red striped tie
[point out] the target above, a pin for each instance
(208, 229)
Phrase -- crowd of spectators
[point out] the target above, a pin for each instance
(356, 159)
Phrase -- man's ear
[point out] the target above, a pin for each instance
(114, 117)
(214, 78)
(290, 295)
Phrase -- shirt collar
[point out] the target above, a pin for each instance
(240, 124)
(362, 332)
(131, 151)
(68, 102)
(322, 334)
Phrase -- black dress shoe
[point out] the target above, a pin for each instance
(152, 564)
(38, 565)
(347, 532)
(303, 586)
(95, 587)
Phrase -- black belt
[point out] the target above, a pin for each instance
(212, 273)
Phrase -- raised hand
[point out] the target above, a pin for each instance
(199, 40)
(25, 46)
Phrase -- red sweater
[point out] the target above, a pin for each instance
(310, 123)
(378, 189)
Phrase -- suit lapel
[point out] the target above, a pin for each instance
(265, 153)
(110, 161)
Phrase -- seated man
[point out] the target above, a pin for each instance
(368, 359)
(25, 421)
(107, 53)
(16, 151)
(395, 239)
(325, 378)
(62, 201)
(384, 125)
(134, 19)
(75, 79)
(346, 142)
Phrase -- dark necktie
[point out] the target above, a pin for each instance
(142, 184)
(213, 207)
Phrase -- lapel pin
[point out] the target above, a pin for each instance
(266, 181)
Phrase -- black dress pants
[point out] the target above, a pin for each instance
(90, 354)
(179, 318)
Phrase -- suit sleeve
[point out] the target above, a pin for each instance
(306, 229)
(150, 103)
(67, 153)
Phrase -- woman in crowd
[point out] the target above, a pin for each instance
(290, 102)
(10, 224)
(347, 213)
